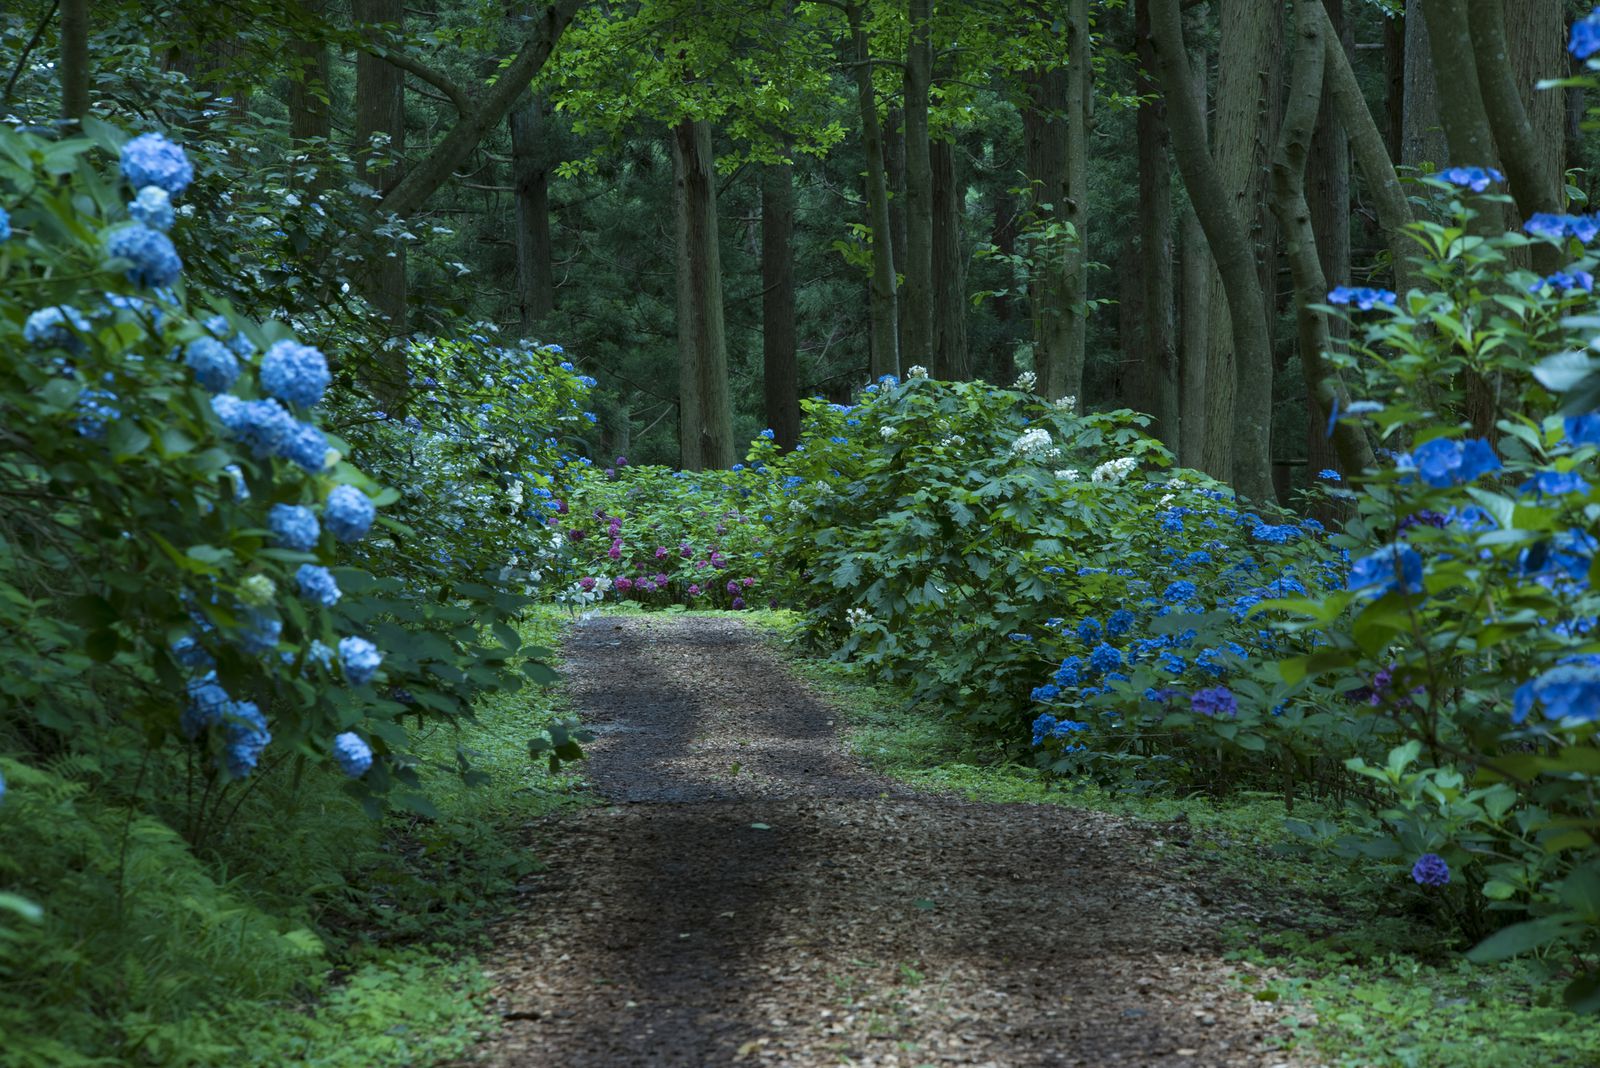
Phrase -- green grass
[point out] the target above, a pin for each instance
(1373, 982)
(306, 933)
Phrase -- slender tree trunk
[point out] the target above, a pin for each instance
(310, 87)
(894, 169)
(950, 359)
(1003, 235)
(74, 59)
(706, 432)
(1230, 246)
(381, 115)
(1044, 129)
(530, 178)
(1158, 372)
(885, 340)
(780, 366)
(1075, 203)
(1461, 109)
(1394, 84)
(1328, 168)
(917, 307)
(1294, 215)
(1131, 385)
(1422, 140)
(1195, 293)
(1531, 163)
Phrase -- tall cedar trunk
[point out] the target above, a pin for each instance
(1044, 129)
(705, 430)
(1003, 235)
(74, 59)
(894, 164)
(885, 340)
(1328, 196)
(1158, 371)
(530, 178)
(1194, 294)
(1394, 84)
(1294, 215)
(1461, 110)
(310, 113)
(917, 306)
(1246, 113)
(1075, 208)
(950, 359)
(1129, 385)
(1537, 34)
(381, 110)
(1532, 164)
(1422, 137)
(1230, 246)
(780, 365)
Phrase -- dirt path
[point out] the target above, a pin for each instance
(753, 896)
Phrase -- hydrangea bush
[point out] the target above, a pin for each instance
(184, 548)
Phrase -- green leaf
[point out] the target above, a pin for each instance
(1522, 938)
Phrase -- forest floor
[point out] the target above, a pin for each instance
(748, 893)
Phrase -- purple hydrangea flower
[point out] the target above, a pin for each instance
(1215, 701)
(1430, 870)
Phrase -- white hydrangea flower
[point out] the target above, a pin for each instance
(917, 371)
(952, 440)
(1175, 483)
(857, 616)
(887, 432)
(1025, 382)
(1167, 499)
(1032, 441)
(1069, 474)
(1113, 471)
(1067, 404)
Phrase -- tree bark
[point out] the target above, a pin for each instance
(1294, 216)
(1422, 140)
(1230, 246)
(917, 307)
(1536, 30)
(780, 365)
(894, 169)
(1195, 293)
(74, 59)
(1003, 235)
(1058, 368)
(1530, 169)
(1075, 207)
(885, 341)
(530, 178)
(1158, 372)
(705, 429)
(950, 358)
(424, 177)
(381, 115)
(1461, 110)
(1394, 84)
(310, 87)
(1328, 175)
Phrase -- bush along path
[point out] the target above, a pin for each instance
(750, 894)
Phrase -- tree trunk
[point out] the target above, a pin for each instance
(310, 86)
(424, 177)
(1394, 84)
(1044, 130)
(885, 342)
(1075, 206)
(530, 178)
(1532, 163)
(1195, 294)
(74, 59)
(1130, 385)
(1003, 235)
(780, 366)
(381, 114)
(1230, 246)
(917, 307)
(1158, 371)
(1461, 110)
(1328, 198)
(1422, 140)
(1294, 215)
(705, 430)
(950, 359)
(894, 164)
(1536, 31)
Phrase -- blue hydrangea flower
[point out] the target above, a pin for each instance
(1328, 474)
(319, 652)
(1585, 39)
(1430, 870)
(1070, 671)
(214, 367)
(1043, 727)
(768, 433)
(150, 159)
(1179, 592)
(1119, 623)
(56, 327)
(1568, 691)
(95, 413)
(1362, 297)
(1565, 282)
(1089, 631)
(1557, 483)
(191, 654)
(317, 584)
(1216, 701)
(306, 446)
(152, 260)
(360, 659)
(1393, 567)
(1046, 693)
(5, 225)
(349, 513)
(207, 703)
(265, 426)
(294, 373)
(294, 526)
(1446, 462)
(153, 208)
(246, 735)
(1555, 227)
(1476, 179)
(1105, 658)
(1581, 429)
(260, 633)
(353, 755)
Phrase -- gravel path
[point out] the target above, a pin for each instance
(753, 896)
